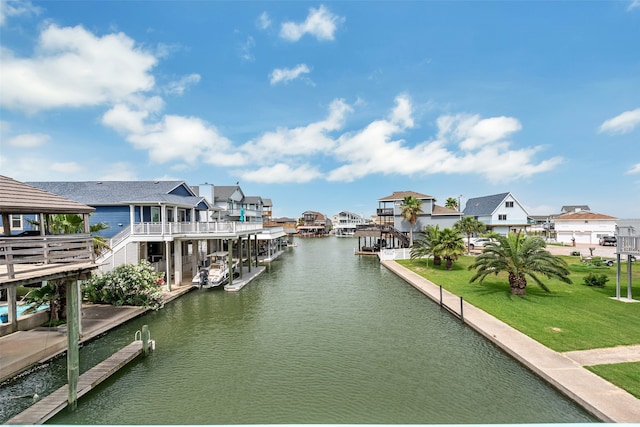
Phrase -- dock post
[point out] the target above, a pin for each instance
(73, 351)
(230, 260)
(145, 339)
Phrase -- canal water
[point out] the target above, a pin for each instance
(321, 337)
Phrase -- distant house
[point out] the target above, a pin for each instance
(583, 227)
(573, 208)
(313, 223)
(501, 213)
(345, 223)
(234, 205)
(390, 212)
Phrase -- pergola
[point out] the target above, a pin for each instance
(28, 260)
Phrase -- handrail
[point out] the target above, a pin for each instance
(51, 249)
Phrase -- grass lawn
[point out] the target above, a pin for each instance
(570, 317)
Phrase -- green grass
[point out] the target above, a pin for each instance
(624, 375)
(570, 317)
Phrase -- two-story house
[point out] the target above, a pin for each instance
(501, 213)
(345, 223)
(164, 222)
(313, 223)
(389, 212)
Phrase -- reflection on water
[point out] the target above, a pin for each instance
(322, 337)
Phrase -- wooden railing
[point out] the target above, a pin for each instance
(38, 251)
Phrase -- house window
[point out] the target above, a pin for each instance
(170, 215)
(502, 217)
(16, 222)
(155, 214)
(508, 204)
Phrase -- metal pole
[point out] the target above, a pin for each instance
(145, 339)
(440, 295)
(461, 310)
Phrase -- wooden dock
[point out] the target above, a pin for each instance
(47, 407)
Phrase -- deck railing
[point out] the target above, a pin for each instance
(171, 228)
(38, 251)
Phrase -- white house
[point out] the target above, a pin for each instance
(584, 227)
(345, 223)
(501, 213)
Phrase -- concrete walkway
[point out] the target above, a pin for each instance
(563, 371)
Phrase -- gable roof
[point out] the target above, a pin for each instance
(584, 215)
(19, 198)
(485, 205)
(223, 192)
(400, 195)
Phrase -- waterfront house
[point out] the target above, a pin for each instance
(583, 226)
(313, 223)
(501, 213)
(164, 222)
(389, 212)
(345, 223)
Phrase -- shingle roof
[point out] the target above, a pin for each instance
(400, 195)
(223, 192)
(485, 205)
(19, 198)
(252, 199)
(441, 210)
(584, 215)
(101, 193)
(267, 203)
(572, 208)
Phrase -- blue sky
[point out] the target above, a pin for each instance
(329, 106)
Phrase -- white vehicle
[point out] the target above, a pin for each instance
(479, 242)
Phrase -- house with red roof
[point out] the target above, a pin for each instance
(583, 226)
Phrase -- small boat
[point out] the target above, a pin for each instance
(216, 273)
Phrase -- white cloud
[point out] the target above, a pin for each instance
(119, 171)
(263, 22)
(282, 173)
(28, 140)
(67, 168)
(11, 8)
(623, 123)
(245, 49)
(287, 74)
(305, 141)
(320, 23)
(73, 68)
(634, 4)
(402, 113)
(180, 86)
(634, 169)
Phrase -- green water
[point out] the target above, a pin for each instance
(322, 337)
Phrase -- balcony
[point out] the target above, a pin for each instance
(385, 212)
(180, 229)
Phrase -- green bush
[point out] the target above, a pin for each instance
(597, 280)
(129, 284)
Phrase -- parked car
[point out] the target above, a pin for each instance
(608, 241)
(612, 262)
(479, 242)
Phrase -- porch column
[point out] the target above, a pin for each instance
(167, 257)
(240, 255)
(249, 251)
(230, 259)
(163, 220)
(255, 239)
(177, 257)
(11, 308)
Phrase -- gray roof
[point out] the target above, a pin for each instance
(572, 208)
(223, 192)
(267, 203)
(19, 198)
(252, 199)
(107, 193)
(485, 205)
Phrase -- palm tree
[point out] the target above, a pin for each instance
(519, 257)
(410, 208)
(425, 244)
(469, 225)
(449, 246)
(452, 203)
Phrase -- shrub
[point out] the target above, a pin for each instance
(598, 280)
(129, 284)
